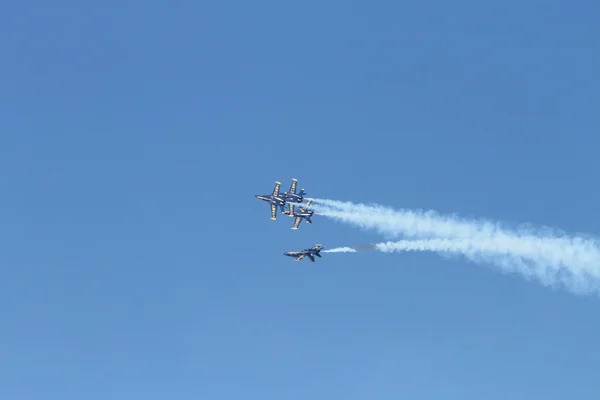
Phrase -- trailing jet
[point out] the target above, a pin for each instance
(302, 212)
(311, 253)
(292, 196)
(275, 199)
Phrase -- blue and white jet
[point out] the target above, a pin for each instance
(300, 213)
(275, 199)
(311, 253)
(292, 196)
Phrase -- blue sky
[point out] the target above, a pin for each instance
(137, 262)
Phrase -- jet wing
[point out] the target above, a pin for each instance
(305, 207)
(273, 211)
(312, 258)
(300, 257)
(276, 189)
(316, 246)
(293, 187)
(297, 222)
(291, 209)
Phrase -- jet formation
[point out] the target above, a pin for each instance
(276, 199)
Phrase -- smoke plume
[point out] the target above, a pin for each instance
(548, 255)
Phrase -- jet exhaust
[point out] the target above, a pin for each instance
(548, 255)
(340, 250)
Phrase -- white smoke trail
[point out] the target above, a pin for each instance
(340, 250)
(550, 256)
(572, 268)
(411, 223)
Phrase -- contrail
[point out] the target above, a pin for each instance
(409, 223)
(351, 249)
(550, 256)
(340, 250)
(551, 266)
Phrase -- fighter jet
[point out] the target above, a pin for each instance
(292, 196)
(311, 253)
(302, 212)
(275, 199)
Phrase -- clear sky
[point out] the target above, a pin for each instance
(136, 262)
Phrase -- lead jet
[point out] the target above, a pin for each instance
(311, 253)
(302, 212)
(275, 199)
(292, 196)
